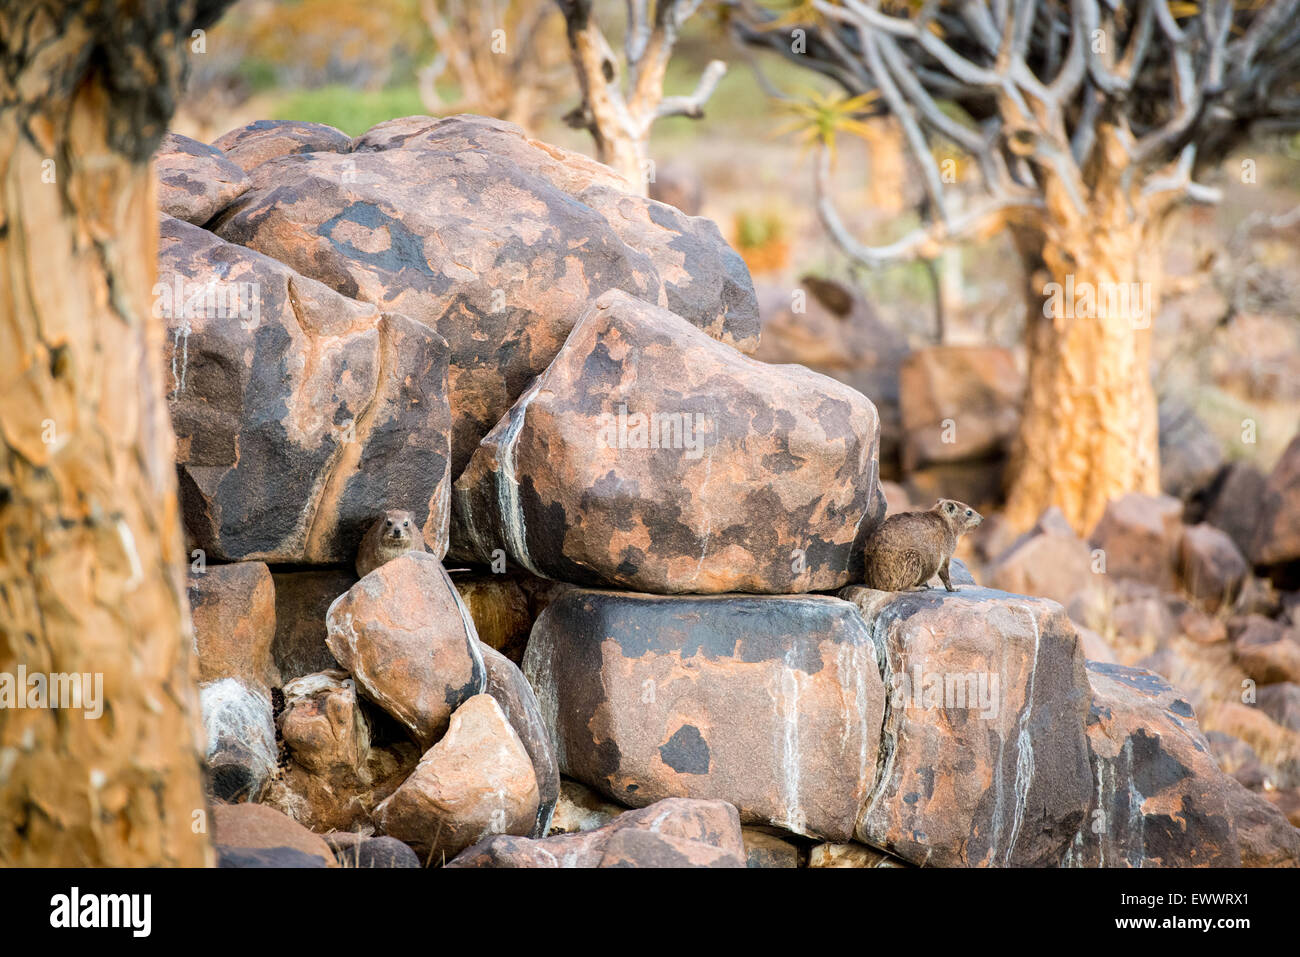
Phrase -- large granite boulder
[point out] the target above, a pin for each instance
(405, 636)
(772, 704)
(653, 458)
(300, 414)
(195, 180)
(495, 240)
(983, 760)
(674, 832)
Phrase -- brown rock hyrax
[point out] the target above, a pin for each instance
(908, 548)
(394, 534)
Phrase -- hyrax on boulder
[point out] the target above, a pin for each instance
(395, 534)
(908, 548)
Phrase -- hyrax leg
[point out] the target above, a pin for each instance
(943, 576)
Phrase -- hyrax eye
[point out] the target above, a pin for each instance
(388, 522)
(406, 523)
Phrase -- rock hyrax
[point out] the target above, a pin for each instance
(908, 548)
(394, 534)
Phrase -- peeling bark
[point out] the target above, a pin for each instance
(91, 550)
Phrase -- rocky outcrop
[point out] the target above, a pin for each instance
(299, 414)
(405, 636)
(983, 758)
(494, 240)
(650, 457)
(772, 704)
(476, 781)
(674, 832)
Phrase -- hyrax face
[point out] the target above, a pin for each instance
(958, 514)
(397, 528)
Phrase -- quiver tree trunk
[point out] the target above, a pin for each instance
(91, 551)
(1088, 431)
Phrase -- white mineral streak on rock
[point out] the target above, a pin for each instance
(795, 819)
(239, 716)
(538, 668)
(1024, 745)
(507, 483)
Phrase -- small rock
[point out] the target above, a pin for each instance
(256, 827)
(1211, 566)
(1049, 562)
(764, 849)
(975, 388)
(676, 832)
(1267, 651)
(241, 752)
(1277, 536)
(1234, 503)
(1281, 702)
(233, 608)
(366, 853)
(851, 854)
(1190, 455)
(1139, 535)
(477, 781)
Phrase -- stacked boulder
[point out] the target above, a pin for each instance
(663, 536)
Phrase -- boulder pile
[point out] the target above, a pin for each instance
(636, 637)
